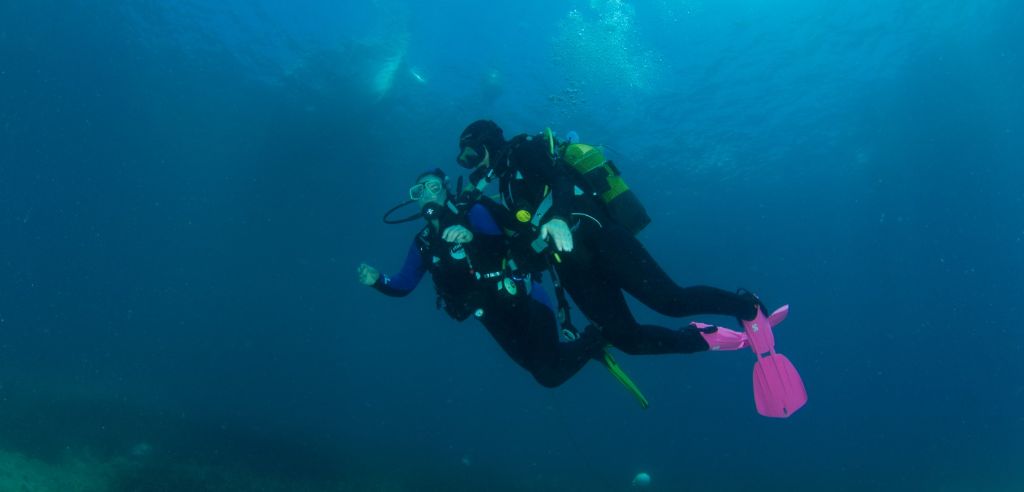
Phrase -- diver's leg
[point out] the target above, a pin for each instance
(633, 268)
(528, 333)
(603, 303)
(503, 328)
(554, 361)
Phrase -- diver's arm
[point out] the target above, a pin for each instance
(407, 279)
(500, 214)
(562, 191)
(536, 164)
(482, 222)
(457, 234)
(479, 221)
(555, 222)
(539, 294)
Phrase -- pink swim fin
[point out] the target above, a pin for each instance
(778, 389)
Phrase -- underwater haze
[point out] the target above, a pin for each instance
(187, 187)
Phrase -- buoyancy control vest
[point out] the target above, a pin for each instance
(592, 173)
(471, 277)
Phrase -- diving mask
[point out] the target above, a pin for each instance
(472, 155)
(417, 190)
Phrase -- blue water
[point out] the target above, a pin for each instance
(187, 187)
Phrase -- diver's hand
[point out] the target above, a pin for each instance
(367, 274)
(457, 234)
(559, 231)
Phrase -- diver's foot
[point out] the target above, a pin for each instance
(759, 328)
(719, 338)
(752, 303)
(594, 342)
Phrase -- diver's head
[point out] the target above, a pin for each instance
(430, 192)
(480, 144)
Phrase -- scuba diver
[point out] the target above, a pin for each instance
(565, 200)
(467, 254)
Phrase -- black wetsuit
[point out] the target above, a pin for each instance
(467, 278)
(607, 259)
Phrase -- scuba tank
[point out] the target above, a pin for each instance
(604, 180)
